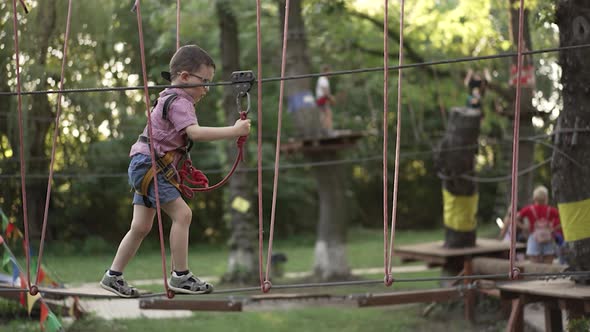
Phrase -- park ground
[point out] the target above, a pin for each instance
(365, 250)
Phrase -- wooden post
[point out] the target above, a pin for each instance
(454, 159)
(553, 319)
(469, 295)
(516, 320)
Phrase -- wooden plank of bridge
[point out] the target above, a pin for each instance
(425, 296)
(194, 305)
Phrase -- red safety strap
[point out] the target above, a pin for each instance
(21, 143)
(259, 145)
(385, 138)
(192, 176)
(177, 24)
(514, 272)
(137, 9)
(35, 288)
(388, 272)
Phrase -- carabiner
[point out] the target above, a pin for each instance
(239, 102)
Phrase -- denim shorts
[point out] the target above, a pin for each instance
(139, 165)
(534, 248)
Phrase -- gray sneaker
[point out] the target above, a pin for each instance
(188, 284)
(118, 285)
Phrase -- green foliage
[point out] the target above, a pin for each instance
(91, 198)
(10, 309)
(578, 325)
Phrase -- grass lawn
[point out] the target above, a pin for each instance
(400, 318)
(365, 250)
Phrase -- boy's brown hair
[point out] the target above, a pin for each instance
(188, 58)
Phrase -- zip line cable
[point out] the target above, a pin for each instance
(303, 76)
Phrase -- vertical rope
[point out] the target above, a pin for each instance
(152, 152)
(397, 140)
(385, 101)
(21, 146)
(259, 147)
(267, 283)
(177, 24)
(54, 142)
(514, 272)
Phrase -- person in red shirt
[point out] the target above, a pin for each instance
(544, 227)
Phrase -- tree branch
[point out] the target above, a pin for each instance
(394, 34)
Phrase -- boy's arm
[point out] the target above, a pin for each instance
(198, 133)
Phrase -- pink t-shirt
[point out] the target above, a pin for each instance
(540, 212)
(168, 134)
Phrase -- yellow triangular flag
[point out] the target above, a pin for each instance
(31, 301)
(240, 204)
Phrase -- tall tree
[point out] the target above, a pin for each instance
(330, 248)
(242, 258)
(571, 182)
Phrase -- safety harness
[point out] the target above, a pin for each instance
(188, 174)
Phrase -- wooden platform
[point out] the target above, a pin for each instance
(436, 255)
(268, 302)
(338, 140)
(547, 289)
(556, 295)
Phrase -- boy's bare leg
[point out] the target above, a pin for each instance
(143, 218)
(181, 215)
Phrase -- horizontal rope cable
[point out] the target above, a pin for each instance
(498, 178)
(291, 166)
(302, 76)
(497, 276)
(403, 154)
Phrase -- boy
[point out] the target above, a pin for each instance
(171, 131)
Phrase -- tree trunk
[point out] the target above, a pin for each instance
(330, 251)
(455, 159)
(571, 183)
(242, 266)
(330, 247)
(301, 100)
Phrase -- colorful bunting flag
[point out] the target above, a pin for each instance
(6, 259)
(23, 285)
(15, 271)
(41, 277)
(4, 220)
(52, 324)
(48, 321)
(9, 230)
(31, 301)
(44, 314)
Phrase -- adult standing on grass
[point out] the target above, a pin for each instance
(174, 125)
(543, 226)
